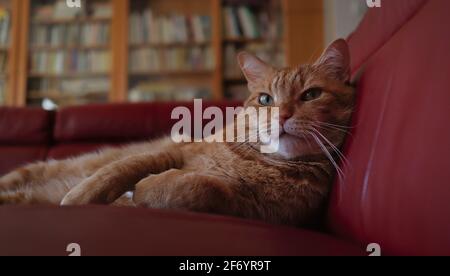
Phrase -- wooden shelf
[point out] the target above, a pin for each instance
(68, 75)
(169, 45)
(244, 40)
(68, 47)
(38, 95)
(80, 20)
(180, 73)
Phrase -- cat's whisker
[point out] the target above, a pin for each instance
(339, 172)
(255, 133)
(334, 125)
(306, 139)
(331, 128)
(338, 152)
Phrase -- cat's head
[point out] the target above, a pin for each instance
(315, 100)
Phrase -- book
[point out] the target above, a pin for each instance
(244, 22)
(3, 62)
(171, 59)
(248, 22)
(43, 12)
(70, 62)
(2, 91)
(146, 27)
(85, 34)
(164, 91)
(62, 11)
(101, 10)
(4, 27)
(232, 28)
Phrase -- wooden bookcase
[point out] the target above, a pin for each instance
(298, 39)
(65, 56)
(183, 62)
(8, 51)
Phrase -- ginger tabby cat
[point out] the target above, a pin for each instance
(287, 187)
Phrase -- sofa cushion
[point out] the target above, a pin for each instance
(396, 191)
(25, 126)
(118, 122)
(123, 231)
(12, 157)
(101, 123)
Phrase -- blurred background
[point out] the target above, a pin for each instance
(53, 55)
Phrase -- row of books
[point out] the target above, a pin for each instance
(165, 91)
(54, 100)
(171, 59)
(74, 87)
(3, 62)
(64, 62)
(242, 21)
(2, 91)
(147, 27)
(4, 42)
(61, 10)
(5, 24)
(70, 35)
(266, 51)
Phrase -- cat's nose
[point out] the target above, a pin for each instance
(284, 117)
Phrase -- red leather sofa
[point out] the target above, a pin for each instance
(396, 192)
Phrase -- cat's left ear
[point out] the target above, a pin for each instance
(336, 60)
(255, 70)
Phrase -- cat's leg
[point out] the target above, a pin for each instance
(16, 197)
(39, 183)
(48, 182)
(84, 165)
(19, 178)
(189, 191)
(112, 181)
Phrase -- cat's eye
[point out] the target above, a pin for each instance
(266, 100)
(311, 94)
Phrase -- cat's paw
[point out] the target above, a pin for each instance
(10, 198)
(84, 193)
(76, 197)
(11, 181)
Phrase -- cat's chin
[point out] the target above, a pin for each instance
(294, 147)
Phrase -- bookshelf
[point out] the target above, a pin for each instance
(253, 26)
(8, 24)
(170, 50)
(67, 52)
(152, 50)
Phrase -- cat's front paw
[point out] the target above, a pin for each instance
(79, 195)
(74, 200)
(11, 181)
(93, 190)
(10, 198)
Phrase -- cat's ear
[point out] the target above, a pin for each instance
(255, 70)
(335, 60)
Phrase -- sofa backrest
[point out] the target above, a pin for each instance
(397, 187)
(25, 135)
(82, 129)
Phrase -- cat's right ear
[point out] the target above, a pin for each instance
(255, 70)
(336, 60)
